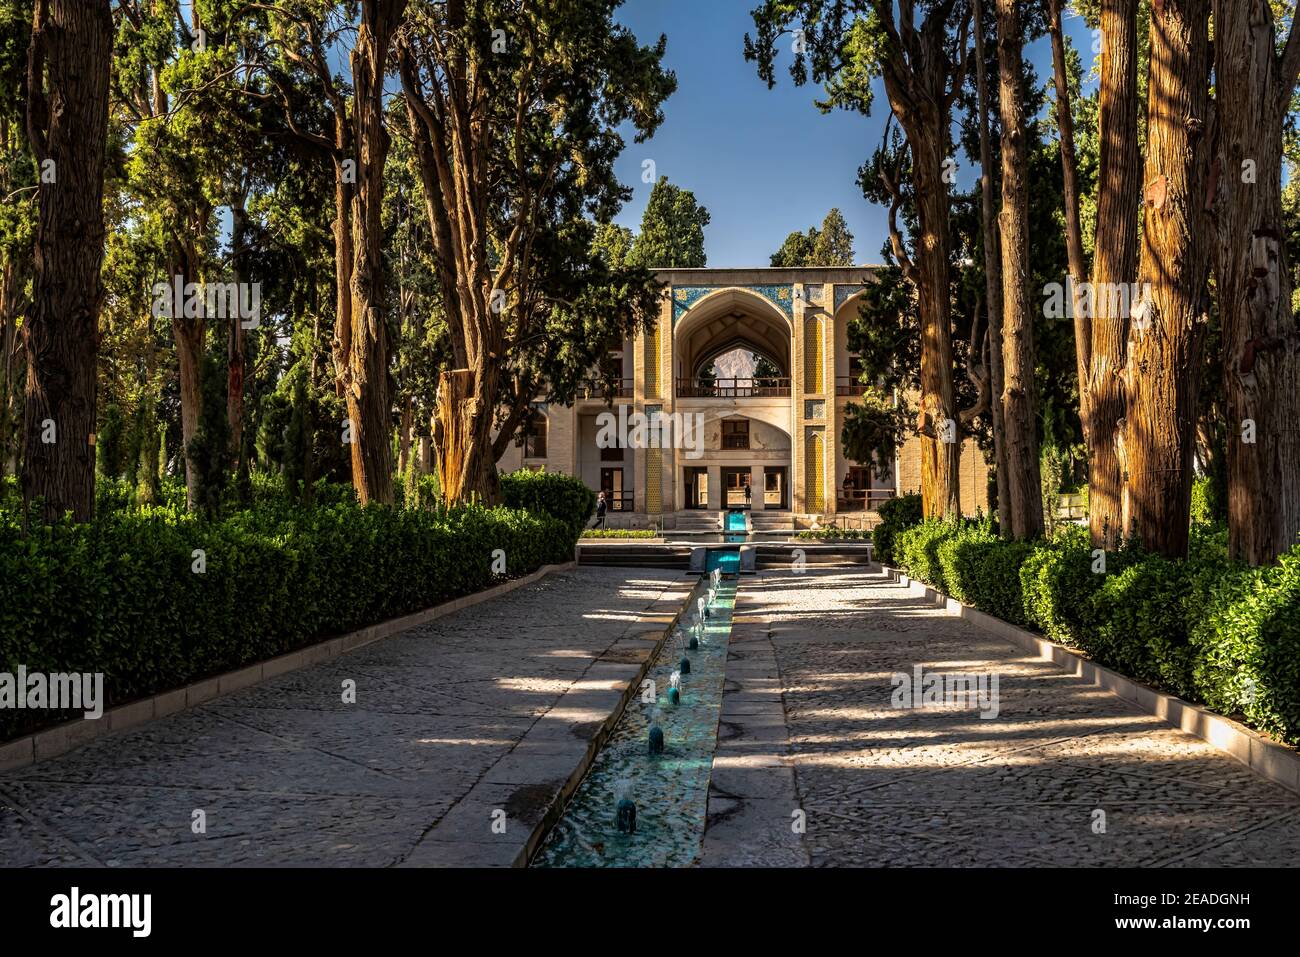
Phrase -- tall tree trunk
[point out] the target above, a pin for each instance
(940, 445)
(235, 351)
(369, 386)
(69, 63)
(1073, 228)
(1019, 418)
(11, 307)
(189, 332)
(992, 281)
(462, 435)
(1168, 324)
(917, 74)
(1261, 348)
(405, 426)
(1114, 263)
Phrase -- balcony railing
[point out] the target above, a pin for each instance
(593, 389)
(862, 499)
(849, 385)
(732, 388)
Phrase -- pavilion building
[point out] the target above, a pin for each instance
(760, 357)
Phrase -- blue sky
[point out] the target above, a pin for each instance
(764, 162)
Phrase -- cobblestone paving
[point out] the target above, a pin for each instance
(884, 786)
(287, 774)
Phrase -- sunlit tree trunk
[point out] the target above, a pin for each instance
(917, 75)
(1114, 262)
(1261, 348)
(1167, 329)
(1019, 419)
(369, 389)
(992, 280)
(1073, 228)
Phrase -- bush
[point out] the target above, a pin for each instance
(120, 595)
(620, 533)
(1057, 583)
(917, 550)
(833, 534)
(1205, 628)
(1247, 647)
(550, 493)
(895, 515)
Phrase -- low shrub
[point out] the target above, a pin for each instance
(1247, 647)
(896, 514)
(157, 598)
(620, 533)
(1205, 628)
(833, 534)
(563, 497)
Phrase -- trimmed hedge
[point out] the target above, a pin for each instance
(896, 514)
(563, 497)
(1206, 629)
(119, 595)
(833, 534)
(620, 533)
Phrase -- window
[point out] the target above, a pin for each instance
(735, 433)
(535, 436)
(612, 454)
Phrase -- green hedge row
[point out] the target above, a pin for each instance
(1206, 629)
(550, 493)
(120, 595)
(895, 515)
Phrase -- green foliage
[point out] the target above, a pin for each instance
(118, 595)
(562, 497)
(1247, 646)
(1209, 501)
(620, 533)
(831, 245)
(895, 515)
(110, 451)
(917, 550)
(672, 230)
(209, 450)
(834, 534)
(1204, 628)
(1058, 582)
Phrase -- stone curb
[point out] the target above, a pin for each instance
(436, 851)
(1265, 757)
(63, 738)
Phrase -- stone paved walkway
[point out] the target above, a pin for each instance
(493, 707)
(808, 725)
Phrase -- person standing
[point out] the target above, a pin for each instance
(601, 508)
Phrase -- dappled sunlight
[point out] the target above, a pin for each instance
(537, 685)
(468, 742)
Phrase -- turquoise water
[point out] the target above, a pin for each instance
(670, 789)
(736, 522)
(726, 559)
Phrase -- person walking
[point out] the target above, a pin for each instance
(601, 508)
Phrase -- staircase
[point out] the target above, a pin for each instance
(772, 521)
(698, 521)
